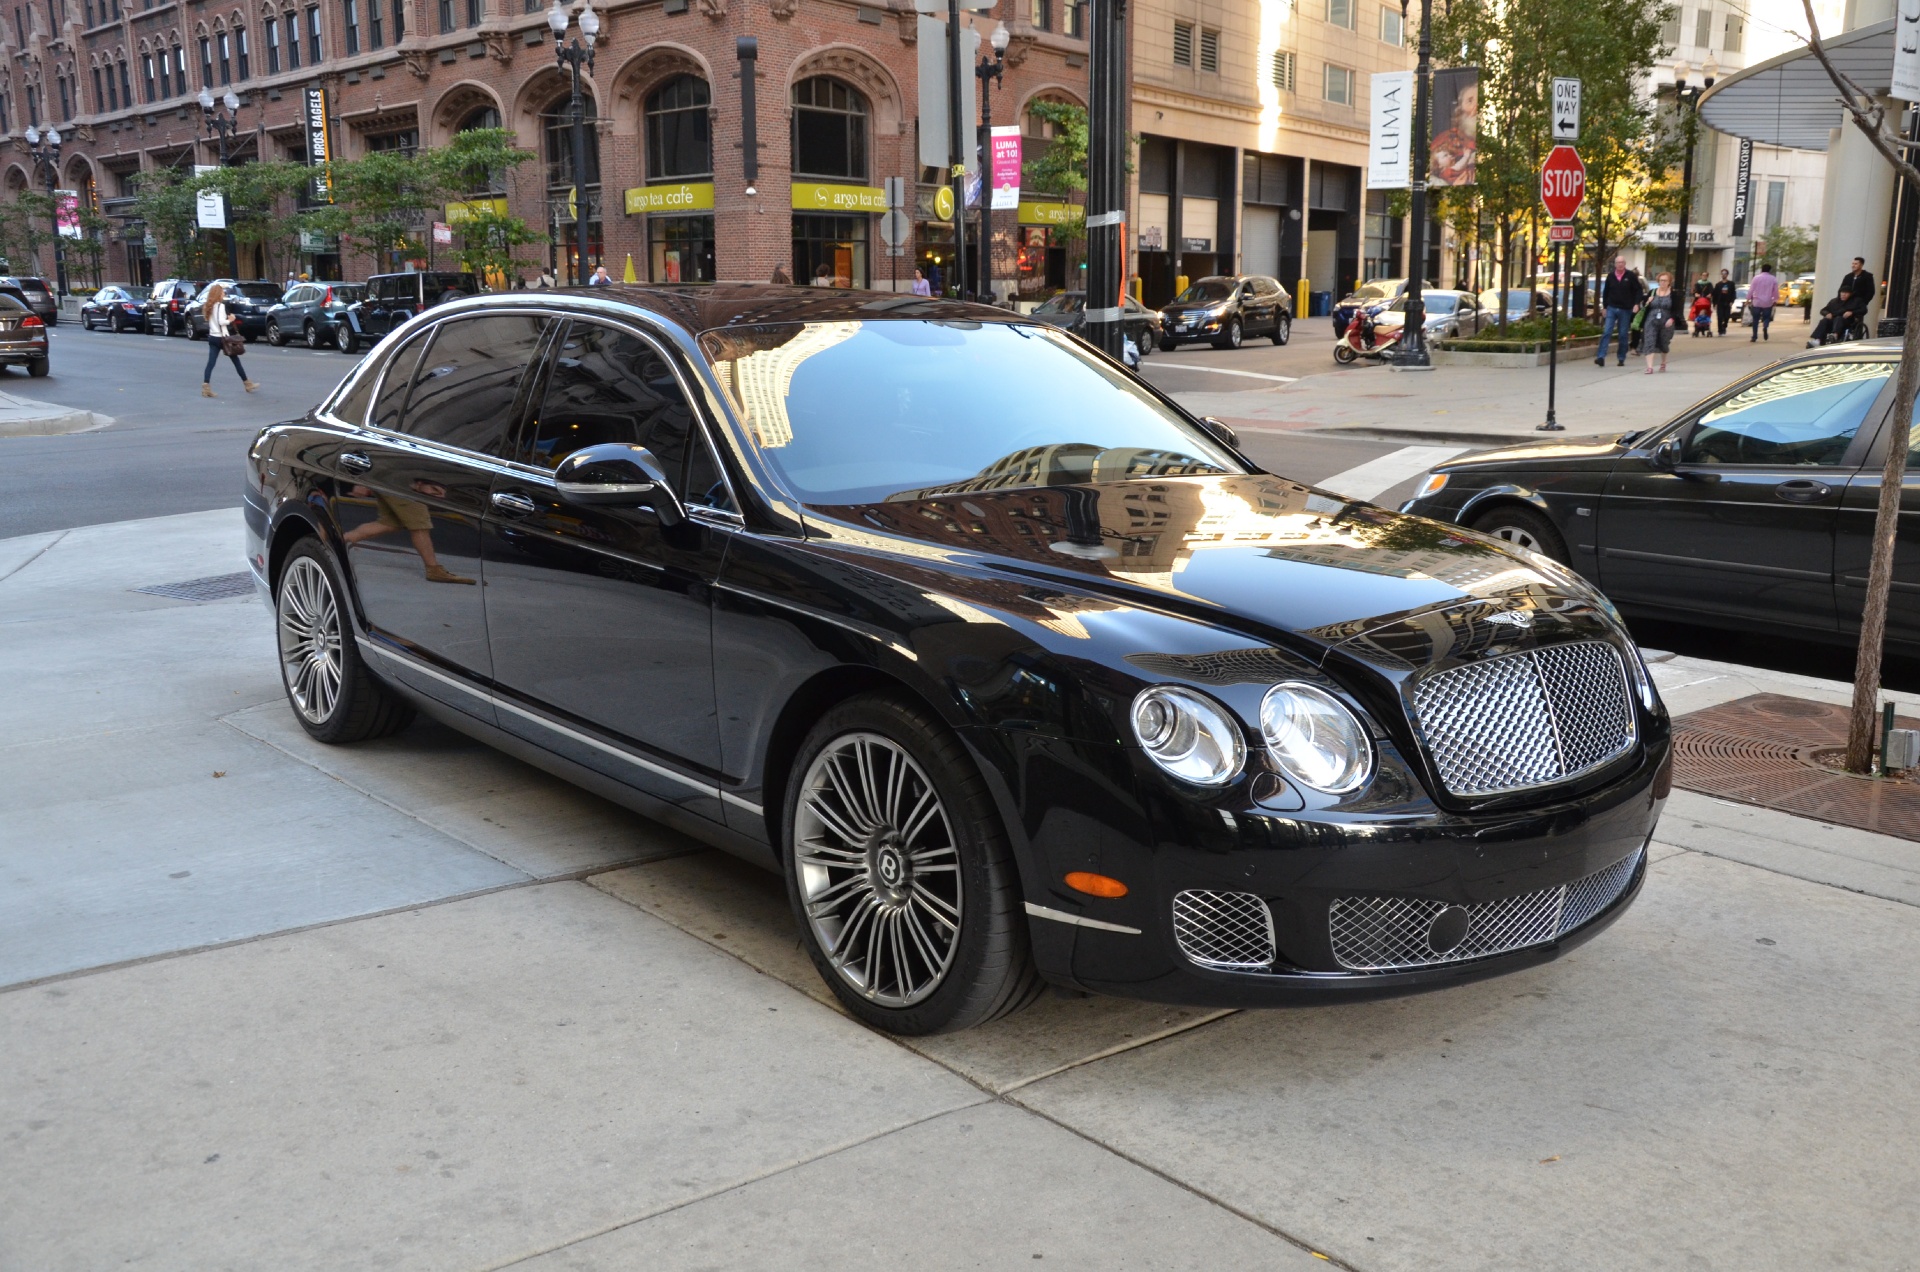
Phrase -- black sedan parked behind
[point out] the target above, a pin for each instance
(1015, 672)
(247, 306)
(310, 312)
(1068, 311)
(168, 304)
(1752, 510)
(117, 307)
(1225, 311)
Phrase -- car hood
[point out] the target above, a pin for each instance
(1259, 554)
(1192, 307)
(1558, 452)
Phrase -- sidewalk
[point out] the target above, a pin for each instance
(416, 1005)
(28, 417)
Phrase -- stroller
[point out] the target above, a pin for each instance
(1702, 315)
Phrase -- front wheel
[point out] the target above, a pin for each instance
(1282, 329)
(1343, 354)
(343, 337)
(333, 695)
(1523, 528)
(274, 335)
(900, 874)
(86, 321)
(1231, 337)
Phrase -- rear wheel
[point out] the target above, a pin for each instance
(1523, 528)
(1283, 329)
(900, 874)
(344, 337)
(312, 334)
(275, 336)
(37, 368)
(333, 695)
(115, 325)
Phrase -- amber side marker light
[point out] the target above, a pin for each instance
(1095, 885)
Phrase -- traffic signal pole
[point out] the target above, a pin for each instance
(1107, 176)
(956, 152)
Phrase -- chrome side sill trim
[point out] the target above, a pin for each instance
(1061, 916)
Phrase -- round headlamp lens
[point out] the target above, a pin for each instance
(1315, 739)
(1189, 735)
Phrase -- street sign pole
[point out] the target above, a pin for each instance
(1563, 187)
(1553, 344)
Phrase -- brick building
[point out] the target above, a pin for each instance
(836, 88)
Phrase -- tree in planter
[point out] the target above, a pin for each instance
(1867, 113)
(471, 169)
(1061, 171)
(263, 212)
(485, 242)
(89, 251)
(166, 200)
(380, 205)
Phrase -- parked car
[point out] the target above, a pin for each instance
(1752, 510)
(168, 304)
(117, 307)
(1521, 303)
(40, 297)
(309, 312)
(247, 304)
(1739, 310)
(1016, 672)
(1449, 313)
(1798, 290)
(391, 299)
(1375, 294)
(1223, 311)
(23, 334)
(1068, 310)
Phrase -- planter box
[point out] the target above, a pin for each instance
(1512, 353)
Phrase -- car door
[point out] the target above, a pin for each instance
(376, 319)
(1742, 525)
(1853, 547)
(1256, 308)
(413, 495)
(600, 616)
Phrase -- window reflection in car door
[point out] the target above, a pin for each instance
(634, 658)
(1743, 524)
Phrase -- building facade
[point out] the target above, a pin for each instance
(668, 187)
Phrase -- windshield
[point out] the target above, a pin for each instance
(1206, 291)
(1064, 303)
(860, 412)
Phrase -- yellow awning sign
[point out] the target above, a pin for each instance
(684, 197)
(811, 196)
(1047, 213)
(467, 209)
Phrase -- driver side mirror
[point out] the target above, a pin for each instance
(1666, 456)
(1221, 433)
(614, 474)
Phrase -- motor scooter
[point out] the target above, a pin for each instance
(1363, 338)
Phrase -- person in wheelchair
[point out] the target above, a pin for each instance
(1842, 318)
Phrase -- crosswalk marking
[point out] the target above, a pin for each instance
(1377, 476)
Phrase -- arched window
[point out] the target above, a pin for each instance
(485, 117)
(829, 130)
(559, 122)
(493, 182)
(679, 140)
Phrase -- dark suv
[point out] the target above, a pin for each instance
(40, 297)
(309, 312)
(247, 306)
(1226, 310)
(167, 306)
(392, 299)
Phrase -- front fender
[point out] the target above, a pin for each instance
(1506, 492)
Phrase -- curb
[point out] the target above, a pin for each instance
(54, 425)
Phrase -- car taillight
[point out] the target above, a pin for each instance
(328, 299)
(32, 320)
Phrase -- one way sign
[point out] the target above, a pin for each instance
(1566, 109)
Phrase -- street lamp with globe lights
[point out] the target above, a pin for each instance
(1688, 98)
(573, 56)
(45, 149)
(990, 70)
(221, 128)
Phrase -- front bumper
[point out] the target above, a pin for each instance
(1581, 858)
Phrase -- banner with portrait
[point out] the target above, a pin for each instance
(1456, 127)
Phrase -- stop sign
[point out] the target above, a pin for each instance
(1563, 183)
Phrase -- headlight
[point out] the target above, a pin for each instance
(1314, 738)
(1189, 735)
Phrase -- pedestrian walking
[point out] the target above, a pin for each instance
(921, 287)
(1656, 332)
(1858, 284)
(1763, 293)
(221, 338)
(546, 280)
(1724, 294)
(600, 277)
(1620, 295)
(780, 276)
(823, 275)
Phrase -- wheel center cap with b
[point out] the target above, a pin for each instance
(891, 872)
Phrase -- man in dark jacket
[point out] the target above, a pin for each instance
(1837, 318)
(1724, 294)
(1859, 284)
(1620, 296)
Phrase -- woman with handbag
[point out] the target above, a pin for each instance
(221, 338)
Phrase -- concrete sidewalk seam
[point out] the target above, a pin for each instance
(721, 1190)
(1118, 1048)
(36, 556)
(1800, 878)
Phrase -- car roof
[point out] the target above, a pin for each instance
(702, 307)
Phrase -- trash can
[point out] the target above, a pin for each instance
(1322, 304)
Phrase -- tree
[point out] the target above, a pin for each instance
(165, 199)
(26, 227)
(485, 243)
(90, 249)
(1789, 248)
(1060, 169)
(262, 207)
(1869, 115)
(383, 202)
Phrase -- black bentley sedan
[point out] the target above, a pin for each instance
(1751, 510)
(1015, 672)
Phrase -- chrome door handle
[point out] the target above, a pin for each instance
(1802, 490)
(355, 462)
(513, 503)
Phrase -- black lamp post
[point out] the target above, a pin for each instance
(1413, 333)
(222, 128)
(1689, 99)
(989, 70)
(574, 56)
(45, 148)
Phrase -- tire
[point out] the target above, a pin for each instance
(313, 337)
(1523, 527)
(1168, 346)
(345, 339)
(1231, 337)
(1282, 329)
(926, 939)
(38, 368)
(334, 696)
(1343, 354)
(86, 321)
(115, 325)
(275, 336)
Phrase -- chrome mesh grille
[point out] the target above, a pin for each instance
(1382, 934)
(1231, 930)
(1527, 719)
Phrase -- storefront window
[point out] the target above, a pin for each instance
(837, 243)
(679, 141)
(681, 248)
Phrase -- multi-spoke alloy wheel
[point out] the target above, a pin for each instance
(900, 872)
(1524, 528)
(879, 873)
(310, 640)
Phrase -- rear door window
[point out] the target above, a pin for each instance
(469, 383)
